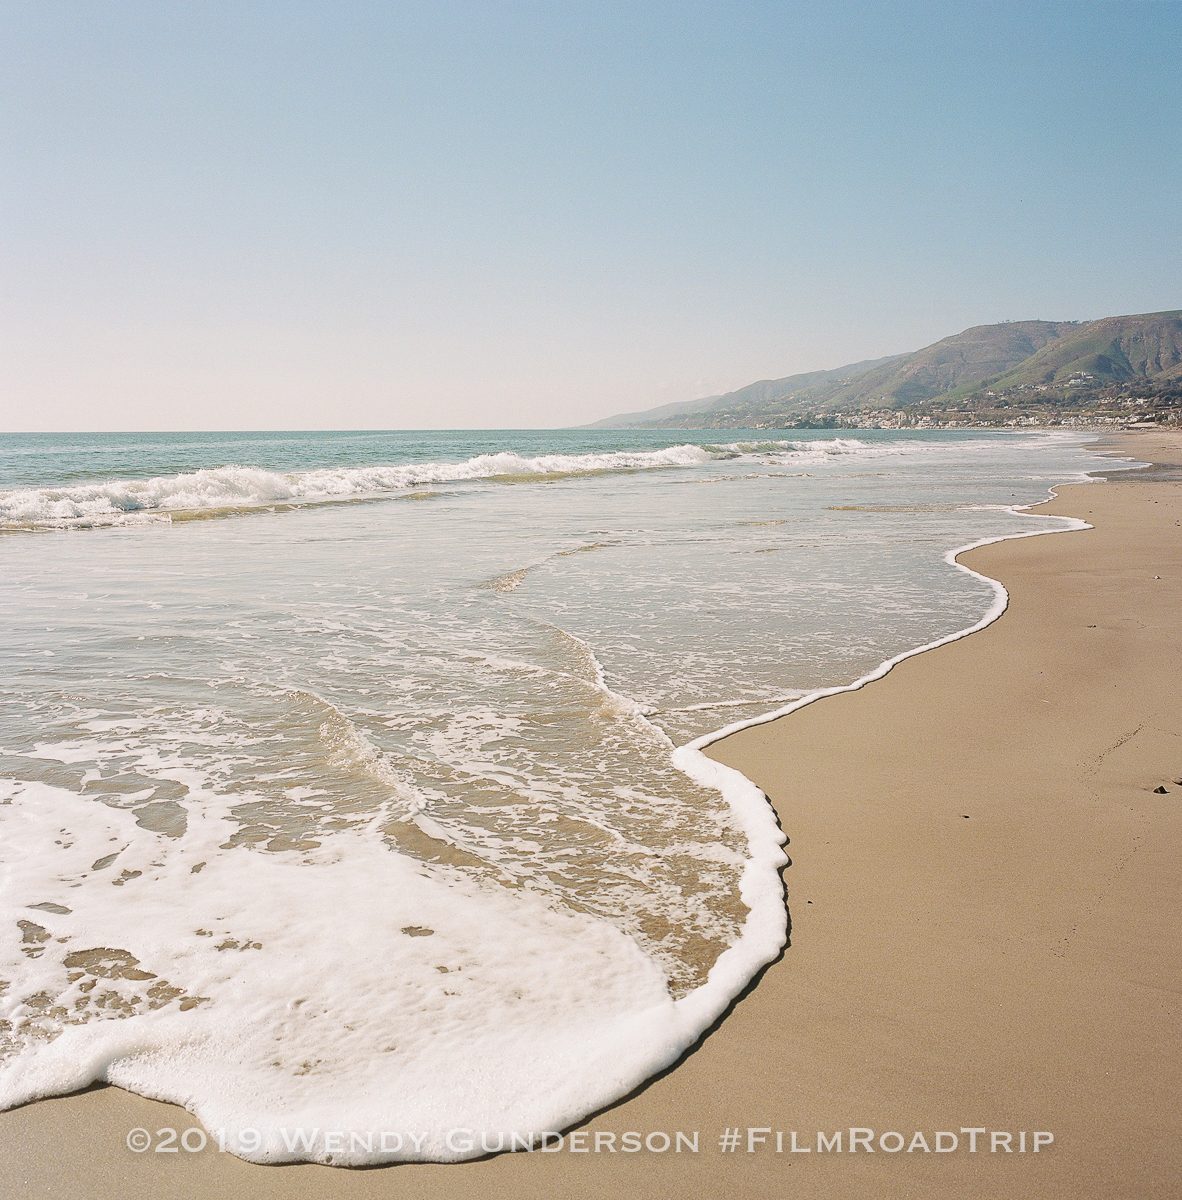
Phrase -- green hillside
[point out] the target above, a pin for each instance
(955, 364)
(994, 369)
(1114, 350)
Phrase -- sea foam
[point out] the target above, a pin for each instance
(345, 988)
(236, 488)
(350, 829)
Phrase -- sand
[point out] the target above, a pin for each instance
(985, 896)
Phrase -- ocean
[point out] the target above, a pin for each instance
(353, 781)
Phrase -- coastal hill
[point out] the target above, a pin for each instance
(1018, 372)
(1116, 349)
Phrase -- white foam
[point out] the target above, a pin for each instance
(998, 606)
(349, 987)
(134, 501)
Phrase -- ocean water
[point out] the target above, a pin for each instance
(352, 781)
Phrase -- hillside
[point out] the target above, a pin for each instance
(1115, 349)
(751, 401)
(989, 369)
(958, 363)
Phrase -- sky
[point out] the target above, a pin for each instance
(366, 215)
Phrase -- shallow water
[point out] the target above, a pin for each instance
(353, 804)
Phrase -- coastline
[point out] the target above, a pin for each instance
(1011, 970)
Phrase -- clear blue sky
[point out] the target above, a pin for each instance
(310, 215)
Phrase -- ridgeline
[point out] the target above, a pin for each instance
(1114, 371)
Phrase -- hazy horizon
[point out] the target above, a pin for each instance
(287, 218)
(478, 427)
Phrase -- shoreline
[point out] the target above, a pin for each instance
(952, 558)
(767, 931)
(781, 1020)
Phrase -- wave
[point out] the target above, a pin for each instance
(474, 1000)
(234, 489)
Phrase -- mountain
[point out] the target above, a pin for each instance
(958, 363)
(1115, 349)
(752, 401)
(651, 415)
(1022, 362)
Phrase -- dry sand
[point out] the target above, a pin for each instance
(985, 898)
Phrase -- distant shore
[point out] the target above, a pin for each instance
(984, 898)
(905, 420)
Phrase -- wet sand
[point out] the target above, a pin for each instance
(984, 897)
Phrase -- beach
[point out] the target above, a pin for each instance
(983, 897)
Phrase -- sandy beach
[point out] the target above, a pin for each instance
(984, 897)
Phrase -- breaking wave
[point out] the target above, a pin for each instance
(231, 489)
